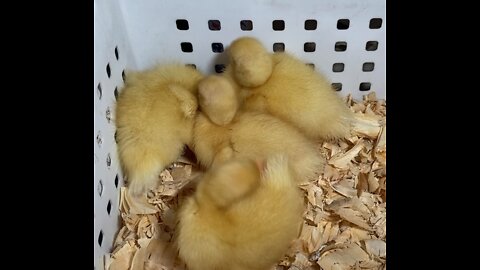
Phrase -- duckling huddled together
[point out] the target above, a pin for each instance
(253, 129)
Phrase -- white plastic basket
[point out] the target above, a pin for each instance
(138, 34)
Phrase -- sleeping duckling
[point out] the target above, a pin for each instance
(282, 85)
(221, 132)
(243, 215)
(154, 117)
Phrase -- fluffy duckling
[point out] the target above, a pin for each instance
(285, 87)
(222, 132)
(154, 117)
(243, 215)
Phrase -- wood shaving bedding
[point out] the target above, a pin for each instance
(344, 221)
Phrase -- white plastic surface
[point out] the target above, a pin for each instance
(145, 32)
(109, 33)
(151, 27)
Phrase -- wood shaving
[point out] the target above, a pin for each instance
(366, 125)
(344, 221)
(341, 160)
(376, 247)
(343, 258)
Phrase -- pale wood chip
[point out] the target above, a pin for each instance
(376, 247)
(365, 158)
(333, 149)
(342, 160)
(358, 107)
(311, 197)
(140, 257)
(166, 176)
(367, 265)
(369, 200)
(381, 107)
(344, 145)
(382, 183)
(122, 258)
(381, 228)
(344, 219)
(344, 236)
(143, 226)
(354, 170)
(319, 216)
(359, 234)
(366, 125)
(362, 184)
(353, 139)
(372, 182)
(343, 258)
(370, 113)
(354, 217)
(331, 173)
(306, 232)
(352, 210)
(174, 182)
(301, 262)
(310, 214)
(135, 205)
(298, 245)
(326, 229)
(121, 235)
(381, 140)
(372, 96)
(349, 100)
(345, 188)
(334, 231)
(381, 158)
(180, 173)
(376, 167)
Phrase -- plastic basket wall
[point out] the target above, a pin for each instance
(344, 39)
